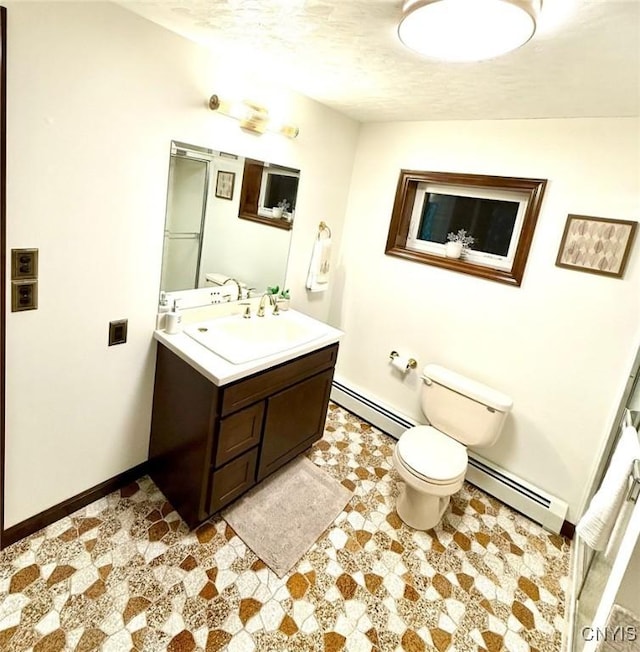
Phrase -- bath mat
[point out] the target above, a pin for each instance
(626, 626)
(284, 515)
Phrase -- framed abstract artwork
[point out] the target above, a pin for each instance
(224, 184)
(597, 245)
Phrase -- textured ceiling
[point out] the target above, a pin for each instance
(584, 61)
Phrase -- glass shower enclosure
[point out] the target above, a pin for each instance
(604, 613)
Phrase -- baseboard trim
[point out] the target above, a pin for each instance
(535, 503)
(71, 505)
(568, 530)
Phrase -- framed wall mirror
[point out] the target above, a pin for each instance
(205, 242)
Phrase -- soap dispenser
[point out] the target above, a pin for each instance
(173, 320)
(163, 309)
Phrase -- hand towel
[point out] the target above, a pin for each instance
(597, 522)
(318, 277)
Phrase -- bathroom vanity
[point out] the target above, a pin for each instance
(218, 428)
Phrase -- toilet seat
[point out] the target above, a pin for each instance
(432, 456)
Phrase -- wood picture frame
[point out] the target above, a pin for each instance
(225, 182)
(597, 245)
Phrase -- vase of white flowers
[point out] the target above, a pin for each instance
(281, 209)
(453, 249)
(458, 244)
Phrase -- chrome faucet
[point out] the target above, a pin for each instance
(272, 302)
(233, 280)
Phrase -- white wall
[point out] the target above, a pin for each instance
(561, 345)
(95, 96)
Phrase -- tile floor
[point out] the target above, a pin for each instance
(125, 574)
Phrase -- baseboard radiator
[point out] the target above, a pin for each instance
(539, 506)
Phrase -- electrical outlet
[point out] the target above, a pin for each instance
(24, 264)
(24, 295)
(117, 332)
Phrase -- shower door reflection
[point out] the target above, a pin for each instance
(186, 209)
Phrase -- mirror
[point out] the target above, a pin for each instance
(210, 233)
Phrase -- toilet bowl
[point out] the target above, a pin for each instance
(432, 460)
(432, 467)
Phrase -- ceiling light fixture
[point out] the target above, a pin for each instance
(252, 117)
(467, 30)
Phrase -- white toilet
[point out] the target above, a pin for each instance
(432, 460)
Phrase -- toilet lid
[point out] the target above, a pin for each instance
(432, 455)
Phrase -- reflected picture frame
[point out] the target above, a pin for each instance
(597, 245)
(225, 182)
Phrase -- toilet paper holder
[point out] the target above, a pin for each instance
(412, 363)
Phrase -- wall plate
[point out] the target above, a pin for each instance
(117, 332)
(24, 295)
(24, 264)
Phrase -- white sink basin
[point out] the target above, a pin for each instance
(241, 340)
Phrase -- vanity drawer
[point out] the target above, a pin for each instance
(232, 480)
(238, 433)
(255, 388)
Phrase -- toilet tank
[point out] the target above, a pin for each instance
(468, 411)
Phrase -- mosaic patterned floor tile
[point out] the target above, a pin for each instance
(126, 574)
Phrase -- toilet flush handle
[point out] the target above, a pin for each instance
(427, 381)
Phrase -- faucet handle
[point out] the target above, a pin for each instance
(247, 310)
(276, 310)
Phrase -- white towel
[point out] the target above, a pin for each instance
(318, 277)
(598, 521)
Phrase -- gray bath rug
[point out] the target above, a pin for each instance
(284, 515)
(623, 632)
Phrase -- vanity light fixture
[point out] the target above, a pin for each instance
(252, 117)
(467, 30)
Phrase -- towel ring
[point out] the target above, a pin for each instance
(323, 227)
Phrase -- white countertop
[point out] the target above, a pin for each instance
(221, 372)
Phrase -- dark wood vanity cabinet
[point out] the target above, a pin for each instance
(210, 444)
(294, 419)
